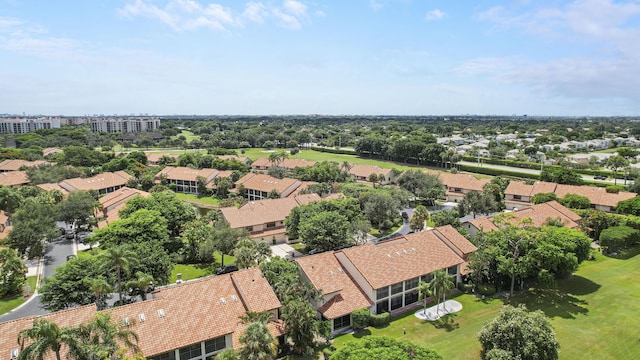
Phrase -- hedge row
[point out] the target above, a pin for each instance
(536, 165)
(362, 318)
(334, 151)
(497, 172)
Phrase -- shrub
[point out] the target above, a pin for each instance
(618, 237)
(543, 198)
(487, 289)
(328, 351)
(614, 189)
(629, 207)
(574, 201)
(380, 320)
(360, 318)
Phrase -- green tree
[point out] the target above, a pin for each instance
(44, 337)
(70, 286)
(77, 209)
(419, 217)
(629, 207)
(326, 231)
(574, 201)
(101, 288)
(521, 334)
(250, 253)
(101, 338)
(477, 202)
(422, 185)
(33, 224)
(120, 258)
(302, 325)
(257, 343)
(12, 272)
(543, 198)
(616, 163)
(560, 175)
(225, 238)
(195, 236)
(227, 354)
(424, 292)
(440, 285)
(140, 284)
(381, 208)
(383, 348)
(141, 226)
(10, 200)
(175, 211)
(360, 229)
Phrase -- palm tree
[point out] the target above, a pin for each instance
(418, 218)
(100, 287)
(441, 283)
(253, 316)
(345, 166)
(424, 292)
(101, 338)
(120, 258)
(258, 343)
(45, 336)
(140, 284)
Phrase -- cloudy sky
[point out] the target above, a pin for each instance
(405, 57)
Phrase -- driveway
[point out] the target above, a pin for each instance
(285, 251)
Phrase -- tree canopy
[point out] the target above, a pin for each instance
(383, 348)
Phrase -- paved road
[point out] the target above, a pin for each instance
(537, 172)
(55, 255)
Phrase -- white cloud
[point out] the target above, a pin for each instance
(436, 14)
(376, 5)
(183, 15)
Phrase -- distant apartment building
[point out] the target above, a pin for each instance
(124, 125)
(25, 125)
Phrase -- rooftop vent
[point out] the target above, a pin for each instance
(340, 270)
(223, 301)
(14, 354)
(234, 298)
(413, 249)
(142, 317)
(405, 251)
(389, 256)
(398, 253)
(126, 321)
(161, 313)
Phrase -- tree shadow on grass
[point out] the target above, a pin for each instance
(362, 333)
(578, 285)
(626, 253)
(447, 322)
(553, 302)
(209, 269)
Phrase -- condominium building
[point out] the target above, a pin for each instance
(124, 125)
(25, 125)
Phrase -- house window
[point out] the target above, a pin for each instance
(249, 228)
(382, 306)
(411, 283)
(396, 288)
(190, 352)
(271, 225)
(410, 298)
(458, 190)
(214, 345)
(426, 278)
(453, 270)
(396, 302)
(342, 322)
(171, 355)
(517, 197)
(382, 293)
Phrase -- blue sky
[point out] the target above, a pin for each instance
(404, 57)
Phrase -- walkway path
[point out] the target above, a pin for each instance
(437, 311)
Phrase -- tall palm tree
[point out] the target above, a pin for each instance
(424, 292)
(140, 284)
(253, 316)
(102, 337)
(100, 287)
(45, 336)
(120, 258)
(418, 218)
(440, 285)
(257, 343)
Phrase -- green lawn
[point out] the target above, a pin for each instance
(189, 135)
(206, 200)
(11, 302)
(594, 314)
(194, 271)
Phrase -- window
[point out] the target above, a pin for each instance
(382, 306)
(396, 302)
(342, 322)
(426, 278)
(171, 355)
(190, 352)
(213, 345)
(411, 283)
(382, 293)
(249, 228)
(396, 288)
(517, 197)
(410, 297)
(271, 225)
(453, 270)
(458, 190)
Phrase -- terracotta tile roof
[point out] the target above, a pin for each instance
(266, 183)
(363, 171)
(53, 186)
(242, 159)
(261, 212)
(564, 211)
(303, 186)
(402, 258)
(543, 187)
(463, 181)
(539, 215)
(97, 182)
(484, 224)
(14, 178)
(518, 188)
(597, 195)
(120, 196)
(251, 286)
(50, 151)
(153, 158)
(187, 174)
(191, 312)
(327, 274)
(16, 164)
(456, 239)
(289, 164)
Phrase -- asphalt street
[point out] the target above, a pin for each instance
(55, 255)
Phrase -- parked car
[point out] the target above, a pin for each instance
(600, 177)
(70, 234)
(84, 234)
(227, 269)
(405, 215)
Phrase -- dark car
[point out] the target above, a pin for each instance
(227, 269)
(405, 215)
(600, 177)
(70, 234)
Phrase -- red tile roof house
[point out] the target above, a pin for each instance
(154, 158)
(264, 219)
(15, 165)
(112, 203)
(384, 276)
(362, 173)
(519, 194)
(193, 320)
(263, 164)
(259, 186)
(538, 214)
(14, 178)
(186, 179)
(102, 183)
(242, 159)
(459, 184)
(5, 226)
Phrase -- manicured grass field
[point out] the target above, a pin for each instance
(11, 302)
(205, 200)
(194, 271)
(594, 314)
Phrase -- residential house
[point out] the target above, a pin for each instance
(519, 194)
(363, 172)
(112, 203)
(102, 183)
(186, 179)
(459, 184)
(259, 186)
(52, 187)
(263, 164)
(537, 216)
(16, 164)
(242, 159)
(14, 178)
(51, 151)
(383, 276)
(173, 325)
(153, 159)
(264, 219)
